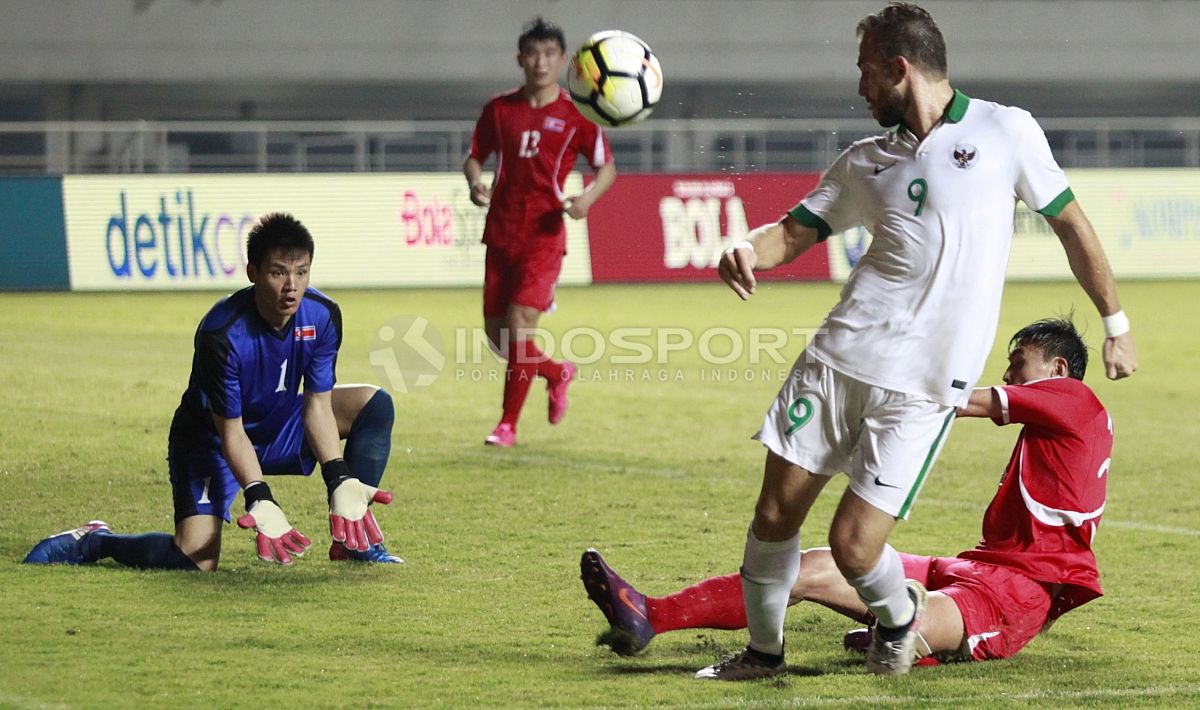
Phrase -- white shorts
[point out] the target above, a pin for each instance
(886, 441)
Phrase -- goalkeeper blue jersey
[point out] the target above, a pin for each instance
(243, 367)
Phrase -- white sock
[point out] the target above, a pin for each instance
(883, 591)
(769, 569)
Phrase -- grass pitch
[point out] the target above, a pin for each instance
(653, 466)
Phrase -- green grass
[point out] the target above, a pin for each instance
(489, 612)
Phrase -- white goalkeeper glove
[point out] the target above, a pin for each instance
(351, 521)
(276, 539)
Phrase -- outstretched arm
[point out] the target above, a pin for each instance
(983, 403)
(1092, 271)
(765, 248)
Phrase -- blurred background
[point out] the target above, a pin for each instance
(95, 86)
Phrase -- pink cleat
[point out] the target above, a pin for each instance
(503, 436)
(558, 393)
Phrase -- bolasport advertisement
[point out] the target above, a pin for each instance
(674, 227)
(163, 232)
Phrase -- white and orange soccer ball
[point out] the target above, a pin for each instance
(615, 79)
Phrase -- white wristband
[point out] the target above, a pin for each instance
(739, 245)
(1116, 324)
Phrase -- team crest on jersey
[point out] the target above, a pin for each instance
(965, 156)
(557, 125)
(306, 332)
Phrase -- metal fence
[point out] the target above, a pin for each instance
(676, 145)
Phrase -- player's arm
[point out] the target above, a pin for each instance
(320, 426)
(765, 248)
(1091, 269)
(481, 192)
(276, 539)
(350, 520)
(238, 451)
(578, 205)
(984, 402)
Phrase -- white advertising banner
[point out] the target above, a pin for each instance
(165, 232)
(1148, 221)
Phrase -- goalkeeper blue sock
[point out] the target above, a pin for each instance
(146, 551)
(370, 440)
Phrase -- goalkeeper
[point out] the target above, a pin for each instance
(243, 417)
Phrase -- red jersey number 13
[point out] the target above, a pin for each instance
(529, 143)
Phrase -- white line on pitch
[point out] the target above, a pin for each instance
(665, 472)
(949, 701)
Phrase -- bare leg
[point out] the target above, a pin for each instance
(858, 534)
(348, 401)
(199, 537)
(788, 493)
(821, 582)
(494, 328)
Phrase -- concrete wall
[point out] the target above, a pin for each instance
(70, 56)
(449, 40)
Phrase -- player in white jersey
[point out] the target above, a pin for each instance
(875, 392)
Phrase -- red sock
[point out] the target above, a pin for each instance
(715, 603)
(518, 375)
(546, 368)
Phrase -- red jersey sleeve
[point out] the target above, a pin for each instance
(486, 138)
(592, 143)
(1053, 404)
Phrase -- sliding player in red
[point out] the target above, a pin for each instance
(1033, 563)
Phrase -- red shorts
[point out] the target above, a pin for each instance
(1002, 609)
(527, 278)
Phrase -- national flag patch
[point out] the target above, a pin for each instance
(557, 125)
(306, 332)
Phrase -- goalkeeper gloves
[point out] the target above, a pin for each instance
(276, 539)
(350, 519)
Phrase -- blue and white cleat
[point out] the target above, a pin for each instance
(65, 548)
(377, 554)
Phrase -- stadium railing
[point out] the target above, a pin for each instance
(665, 145)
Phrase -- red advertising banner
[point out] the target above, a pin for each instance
(674, 227)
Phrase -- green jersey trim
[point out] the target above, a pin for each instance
(912, 494)
(957, 108)
(1056, 205)
(801, 214)
(953, 113)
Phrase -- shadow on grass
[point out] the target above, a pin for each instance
(676, 669)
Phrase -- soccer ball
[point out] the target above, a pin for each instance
(615, 79)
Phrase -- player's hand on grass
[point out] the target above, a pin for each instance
(737, 268)
(351, 521)
(276, 539)
(1120, 356)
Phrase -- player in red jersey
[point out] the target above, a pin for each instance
(1033, 563)
(536, 133)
